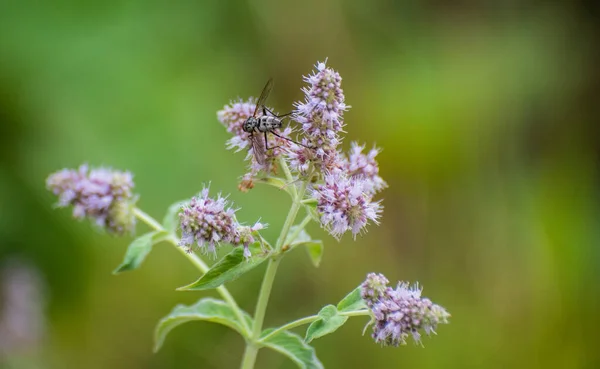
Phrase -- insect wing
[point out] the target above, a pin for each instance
(263, 96)
(258, 148)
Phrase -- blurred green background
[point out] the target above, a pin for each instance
(487, 113)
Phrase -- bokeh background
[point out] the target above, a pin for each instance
(487, 113)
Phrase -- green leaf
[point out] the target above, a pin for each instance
(330, 321)
(138, 250)
(313, 247)
(170, 220)
(279, 183)
(302, 236)
(294, 347)
(229, 268)
(311, 209)
(315, 251)
(207, 309)
(311, 202)
(352, 301)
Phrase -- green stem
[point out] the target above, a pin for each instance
(288, 175)
(196, 261)
(310, 319)
(249, 355)
(301, 226)
(267, 283)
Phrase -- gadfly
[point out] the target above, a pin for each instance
(265, 123)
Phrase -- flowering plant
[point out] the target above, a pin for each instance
(335, 189)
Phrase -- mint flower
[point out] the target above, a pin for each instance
(359, 165)
(233, 116)
(207, 223)
(245, 236)
(344, 205)
(321, 116)
(102, 195)
(400, 312)
(373, 288)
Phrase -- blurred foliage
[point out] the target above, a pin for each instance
(487, 113)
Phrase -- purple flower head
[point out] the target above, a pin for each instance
(400, 312)
(277, 146)
(359, 165)
(321, 116)
(207, 222)
(233, 116)
(373, 288)
(344, 205)
(245, 236)
(103, 195)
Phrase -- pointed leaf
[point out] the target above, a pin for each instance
(311, 202)
(294, 347)
(352, 301)
(207, 309)
(311, 208)
(138, 249)
(313, 247)
(330, 321)
(315, 251)
(229, 268)
(278, 183)
(170, 221)
(301, 236)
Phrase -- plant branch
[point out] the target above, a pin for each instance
(267, 283)
(196, 261)
(310, 319)
(301, 226)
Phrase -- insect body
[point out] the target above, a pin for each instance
(255, 125)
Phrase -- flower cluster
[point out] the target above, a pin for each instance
(233, 116)
(349, 181)
(208, 222)
(400, 312)
(344, 204)
(365, 167)
(103, 195)
(321, 116)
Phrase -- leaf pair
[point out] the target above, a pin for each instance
(217, 311)
(234, 265)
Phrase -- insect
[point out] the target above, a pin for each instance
(255, 125)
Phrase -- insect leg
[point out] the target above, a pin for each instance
(289, 139)
(275, 115)
(267, 143)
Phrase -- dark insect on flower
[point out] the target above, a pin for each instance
(264, 124)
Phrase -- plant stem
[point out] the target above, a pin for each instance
(249, 355)
(265, 290)
(310, 319)
(288, 174)
(301, 226)
(196, 261)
